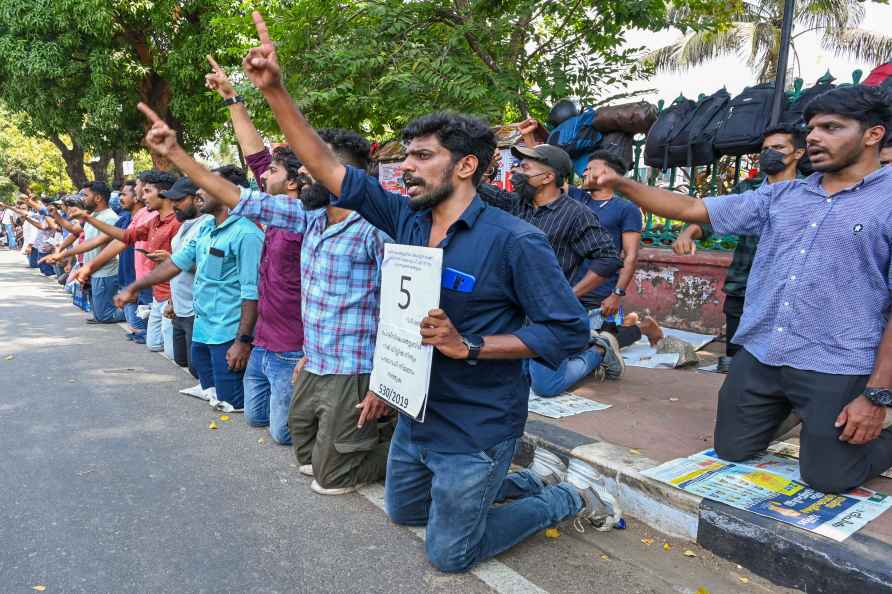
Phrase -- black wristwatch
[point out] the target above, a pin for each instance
(234, 100)
(620, 292)
(879, 396)
(475, 345)
(246, 339)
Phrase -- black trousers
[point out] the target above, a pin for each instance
(756, 398)
(182, 342)
(732, 309)
(625, 335)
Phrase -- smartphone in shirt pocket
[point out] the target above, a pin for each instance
(215, 263)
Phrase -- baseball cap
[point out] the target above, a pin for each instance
(181, 188)
(547, 154)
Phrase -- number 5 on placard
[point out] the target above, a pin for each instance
(405, 292)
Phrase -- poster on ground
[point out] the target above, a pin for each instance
(770, 485)
(565, 405)
(410, 288)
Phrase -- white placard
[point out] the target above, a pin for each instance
(410, 288)
(127, 167)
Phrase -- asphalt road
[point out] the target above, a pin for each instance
(110, 481)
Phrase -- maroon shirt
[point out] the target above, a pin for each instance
(279, 326)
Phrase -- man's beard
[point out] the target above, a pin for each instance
(187, 215)
(315, 196)
(849, 159)
(433, 197)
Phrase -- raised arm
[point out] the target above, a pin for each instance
(652, 199)
(262, 68)
(245, 133)
(110, 230)
(162, 140)
(64, 223)
(102, 258)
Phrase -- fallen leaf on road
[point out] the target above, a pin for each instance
(261, 441)
(702, 591)
(224, 417)
(635, 452)
(689, 553)
(605, 557)
(666, 546)
(552, 533)
(213, 425)
(9, 357)
(39, 587)
(744, 580)
(647, 541)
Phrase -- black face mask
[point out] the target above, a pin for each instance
(521, 184)
(771, 161)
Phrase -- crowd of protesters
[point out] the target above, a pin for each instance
(267, 291)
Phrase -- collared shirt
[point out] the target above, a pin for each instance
(181, 284)
(819, 290)
(108, 217)
(157, 234)
(340, 275)
(745, 252)
(221, 282)
(143, 265)
(43, 236)
(279, 322)
(617, 216)
(575, 234)
(519, 290)
(126, 268)
(7, 217)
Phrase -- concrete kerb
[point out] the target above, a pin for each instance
(783, 554)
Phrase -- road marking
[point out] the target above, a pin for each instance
(494, 574)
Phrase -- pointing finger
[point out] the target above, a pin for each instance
(214, 64)
(147, 111)
(262, 31)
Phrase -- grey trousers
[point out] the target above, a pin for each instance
(756, 398)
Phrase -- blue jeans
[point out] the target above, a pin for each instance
(548, 383)
(132, 319)
(453, 495)
(159, 330)
(268, 391)
(209, 361)
(45, 269)
(10, 237)
(103, 290)
(33, 257)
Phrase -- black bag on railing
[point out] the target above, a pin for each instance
(620, 144)
(660, 135)
(748, 116)
(793, 113)
(693, 144)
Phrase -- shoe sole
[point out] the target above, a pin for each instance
(614, 346)
(332, 492)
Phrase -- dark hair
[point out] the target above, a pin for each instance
(796, 133)
(162, 180)
(117, 185)
(234, 174)
(284, 156)
(128, 182)
(871, 106)
(101, 188)
(348, 145)
(611, 159)
(461, 135)
(86, 185)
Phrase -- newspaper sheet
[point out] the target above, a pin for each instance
(770, 485)
(565, 405)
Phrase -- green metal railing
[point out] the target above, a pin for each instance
(714, 179)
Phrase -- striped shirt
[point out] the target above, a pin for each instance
(340, 278)
(574, 232)
(819, 290)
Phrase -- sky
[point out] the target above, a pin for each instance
(732, 71)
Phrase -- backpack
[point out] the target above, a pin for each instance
(620, 144)
(576, 135)
(660, 135)
(794, 111)
(692, 144)
(748, 115)
(881, 76)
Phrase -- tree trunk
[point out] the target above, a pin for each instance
(74, 160)
(100, 166)
(118, 156)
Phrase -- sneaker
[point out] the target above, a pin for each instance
(139, 339)
(599, 510)
(211, 396)
(306, 469)
(613, 361)
(336, 491)
(195, 391)
(225, 407)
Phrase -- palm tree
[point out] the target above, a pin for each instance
(755, 34)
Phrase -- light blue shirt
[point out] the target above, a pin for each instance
(818, 294)
(181, 284)
(226, 259)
